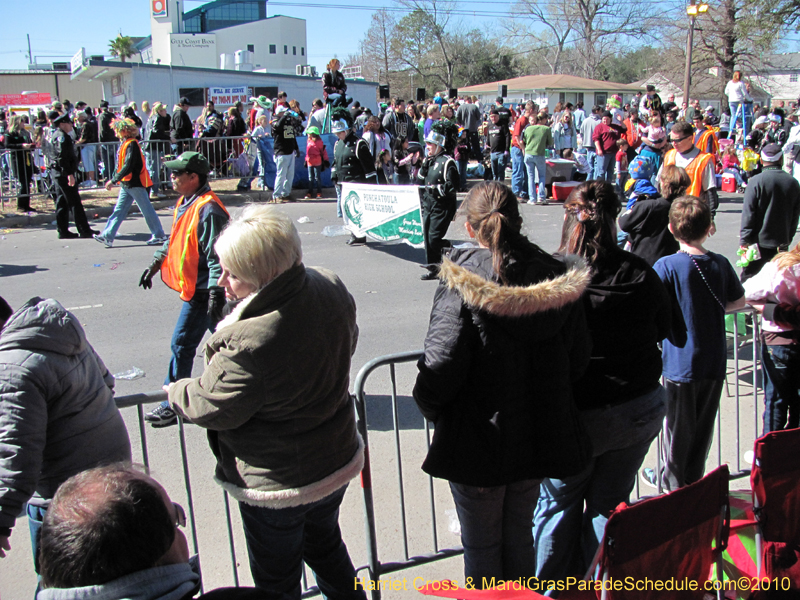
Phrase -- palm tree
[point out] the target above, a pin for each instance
(121, 47)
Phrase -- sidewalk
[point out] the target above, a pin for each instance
(99, 203)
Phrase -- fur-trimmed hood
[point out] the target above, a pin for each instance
(544, 285)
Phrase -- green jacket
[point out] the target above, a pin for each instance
(274, 394)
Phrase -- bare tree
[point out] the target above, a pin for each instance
(594, 29)
(378, 60)
(532, 26)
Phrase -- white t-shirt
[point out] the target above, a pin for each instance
(708, 178)
(736, 91)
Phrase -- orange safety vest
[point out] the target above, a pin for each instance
(179, 269)
(694, 169)
(702, 143)
(144, 176)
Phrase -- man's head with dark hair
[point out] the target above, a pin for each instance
(5, 311)
(106, 523)
(689, 219)
(597, 109)
(682, 129)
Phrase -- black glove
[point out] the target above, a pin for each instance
(216, 302)
(146, 280)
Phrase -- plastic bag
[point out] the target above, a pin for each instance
(130, 374)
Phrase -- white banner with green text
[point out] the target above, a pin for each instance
(383, 212)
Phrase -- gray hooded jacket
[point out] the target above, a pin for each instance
(57, 410)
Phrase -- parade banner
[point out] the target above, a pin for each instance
(383, 212)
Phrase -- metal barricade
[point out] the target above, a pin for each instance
(136, 401)
(228, 156)
(377, 566)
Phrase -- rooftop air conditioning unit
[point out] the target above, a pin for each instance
(61, 66)
(306, 70)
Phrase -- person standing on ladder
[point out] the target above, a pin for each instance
(738, 93)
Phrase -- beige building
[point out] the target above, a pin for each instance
(548, 90)
(56, 83)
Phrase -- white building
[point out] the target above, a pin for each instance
(780, 76)
(231, 34)
(125, 82)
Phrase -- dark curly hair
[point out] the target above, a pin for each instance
(590, 228)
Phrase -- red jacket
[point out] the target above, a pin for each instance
(315, 152)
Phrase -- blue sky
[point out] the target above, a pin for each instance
(59, 30)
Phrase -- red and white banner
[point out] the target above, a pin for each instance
(25, 99)
(228, 96)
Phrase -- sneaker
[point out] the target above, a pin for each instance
(319, 194)
(105, 241)
(162, 416)
(157, 241)
(153, 196)
(649, 478)
(308, 196)
(531, 202)
(161, 194)
(542, 202)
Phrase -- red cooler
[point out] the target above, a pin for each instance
(728, 182)
(562, 189)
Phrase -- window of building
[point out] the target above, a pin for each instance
(302, 51)
(273, 49)
(793, 78)
(286, 49)
(294, 50)
(251, 47)
(600, 98)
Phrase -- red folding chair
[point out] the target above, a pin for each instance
(671, 538)
(775, 485)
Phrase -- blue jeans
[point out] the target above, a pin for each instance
(567, 534)
(782, 387)
(591, 160)
(519, 175)
(193, 321)
(498, 166)
(128, 196)
(315, 178)
(279, 540)
(284, 176)
(35, 518)
(462, 173)
(338, 188)
(108, 152)
(604, 168)
(401, 179)
(537, 174)
(496, 529)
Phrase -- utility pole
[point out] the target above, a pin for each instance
(692, 10)
(30, 54)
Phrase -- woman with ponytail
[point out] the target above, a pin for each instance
(507, 336)
(620, 398)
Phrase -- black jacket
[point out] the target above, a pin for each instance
(106, 132)
(182, 128)
(158, 128)
(61, 153)
(439, 181)
(89, 132)
(352, 161)
(647, 224)
(771, 209)
(628, 311)
(496, 377)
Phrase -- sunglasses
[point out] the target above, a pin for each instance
(180, 515)
(675, 141)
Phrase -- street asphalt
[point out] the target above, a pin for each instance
(130, 327)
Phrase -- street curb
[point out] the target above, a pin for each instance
(34, 219)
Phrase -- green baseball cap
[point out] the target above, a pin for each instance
(190, 161)
(313, 129)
